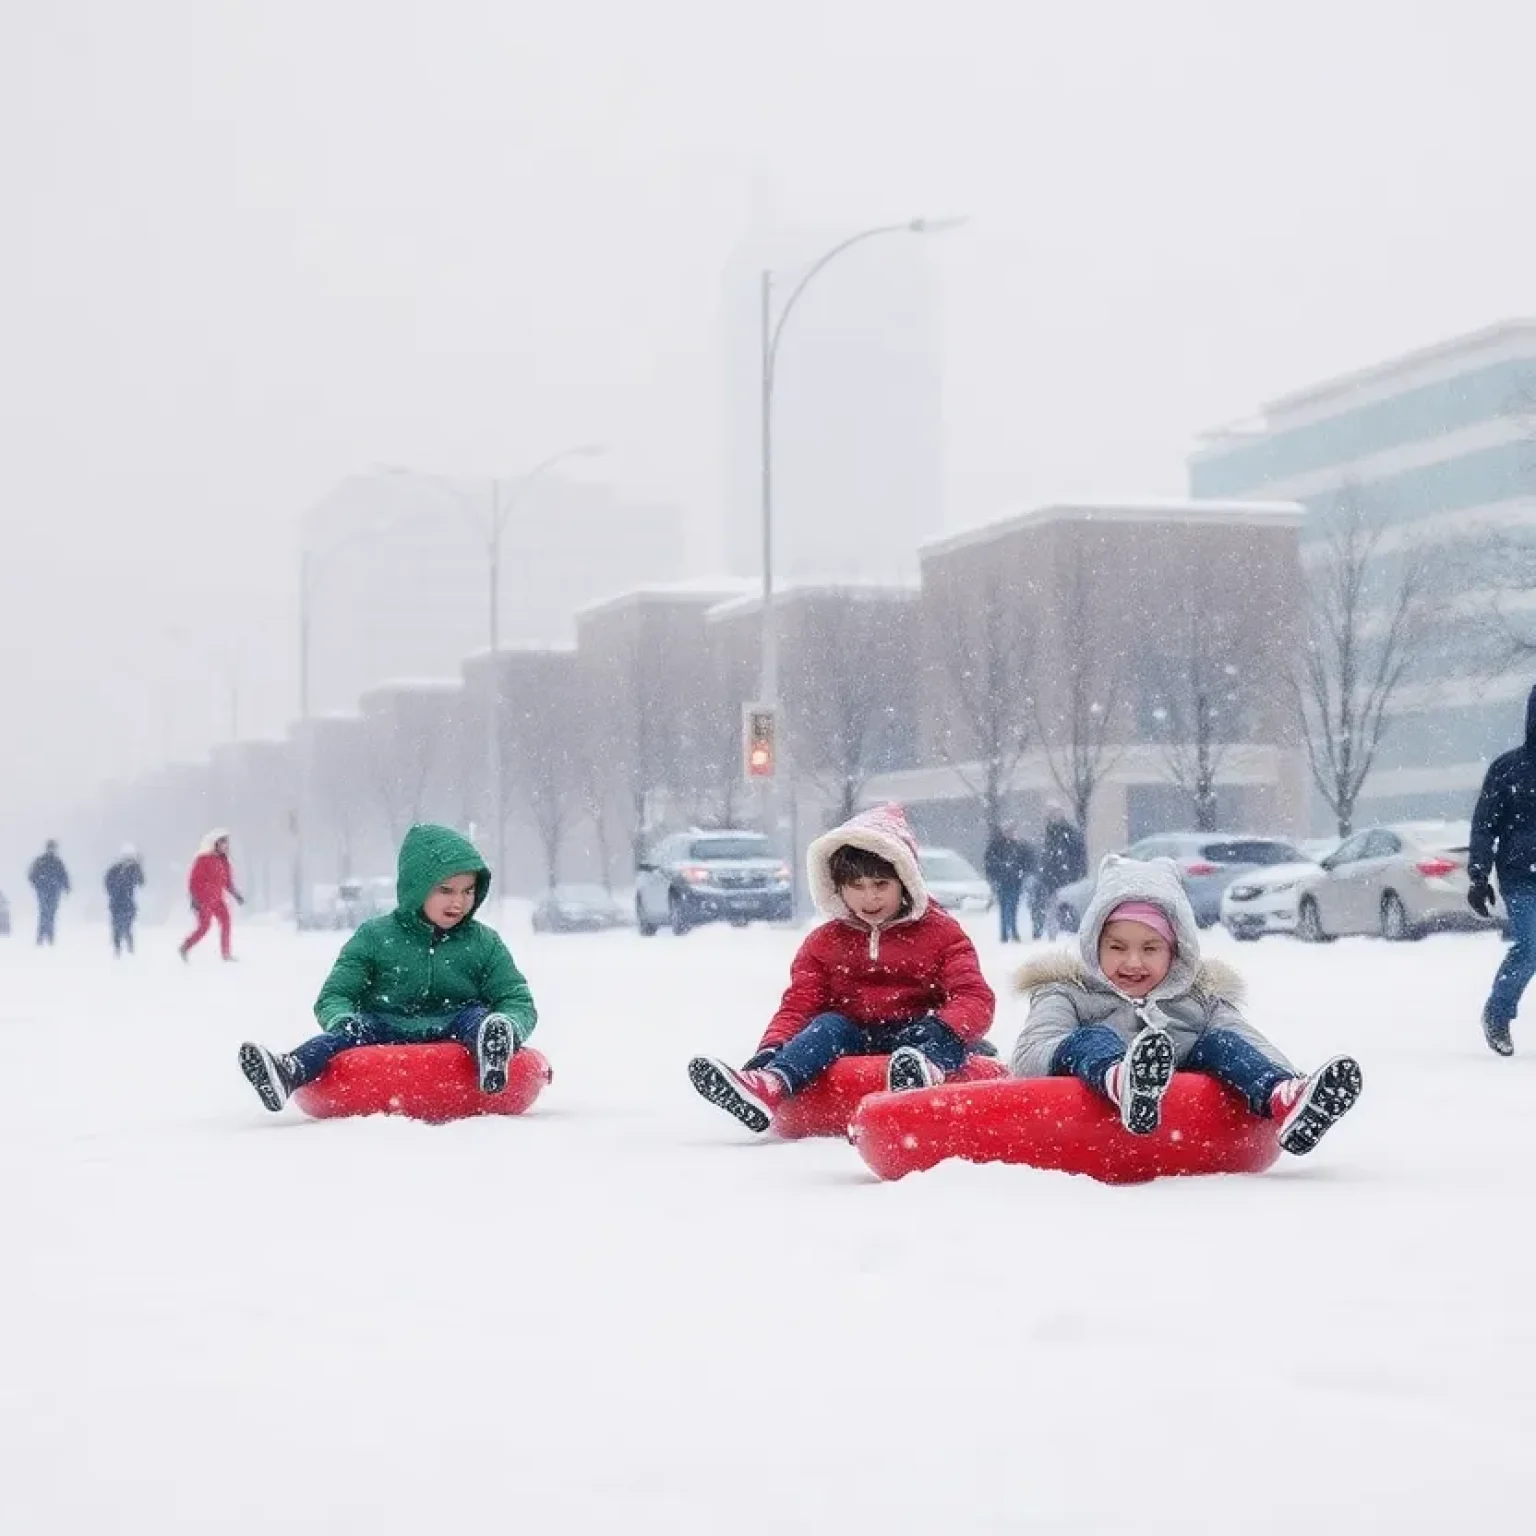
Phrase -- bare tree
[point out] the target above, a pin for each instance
(848, 691)
(400, 777)
(709, 760)
(987, 650)
(1365, 617)
(1201, 691)
(543, 768)
(1077, 718)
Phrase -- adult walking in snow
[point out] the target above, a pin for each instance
(122, 881)
(210, 881)
(1008, 864)
(1063, 860)
(50, 880)
(1504, 843)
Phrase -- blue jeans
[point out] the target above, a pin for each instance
(122, 929)
(1008, 894)
(1092, 1049)
(831, 1036)
(1520, 963)
(317, 1053)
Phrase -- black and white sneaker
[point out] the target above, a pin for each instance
(1144, 1077)
(273, 1077)
(908, 1068)
(1326, 1096)
(750, 1096)
(494, 1045)
(1496, 1033)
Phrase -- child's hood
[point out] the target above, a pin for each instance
(883, 831)
(212, 839)
(1155, 881)
(429, 855)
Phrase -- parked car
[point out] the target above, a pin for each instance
(5, 915)
(348, 904)
(953, 881)
(1400, 881)
(1208, 862)
(702, 877)
(578, 909)
(1266, 900)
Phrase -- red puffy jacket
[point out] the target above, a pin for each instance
(210, 879)
(906, 971)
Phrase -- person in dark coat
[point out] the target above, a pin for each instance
(50, 880)
(1008, 864)
(1063, 860)
(122, 882)
(1504, 843)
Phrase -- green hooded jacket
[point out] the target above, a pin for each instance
(400, 968)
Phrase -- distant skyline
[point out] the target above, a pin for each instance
(255, 247)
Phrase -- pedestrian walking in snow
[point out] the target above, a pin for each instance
(1009, 864)
(1063, 860)
(122, 881)
(50, 880)
(210, 881)
(1504, 844)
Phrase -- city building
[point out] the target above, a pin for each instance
(1065, 653)
(400, 575)
(858, 431)
(1440, 446)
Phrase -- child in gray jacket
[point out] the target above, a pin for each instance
(1138, 1002)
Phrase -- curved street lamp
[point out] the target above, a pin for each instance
(772, 336)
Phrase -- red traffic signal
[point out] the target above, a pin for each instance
(759, 746)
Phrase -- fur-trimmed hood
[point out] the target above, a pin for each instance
(883, 831)
(1215, 980)
(1157, 882)
(212, 839)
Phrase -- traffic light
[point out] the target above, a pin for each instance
(759, 744)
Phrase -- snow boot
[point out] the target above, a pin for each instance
(494, 1045)
(1138, 1082)
(273, 1077)
(1496, 1033)
(908, 1068)
(1307, 1106)
(750, 1096)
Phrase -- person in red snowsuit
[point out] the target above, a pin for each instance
(210, 881)
(888, 974)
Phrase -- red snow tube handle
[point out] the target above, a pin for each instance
(434, 1081)
(1059, 1124)
(827, 1106)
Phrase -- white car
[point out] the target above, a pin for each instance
(1265, 900)
(953, 881)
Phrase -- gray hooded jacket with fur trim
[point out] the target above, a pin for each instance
(1067, 990)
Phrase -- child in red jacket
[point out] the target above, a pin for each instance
(211, 879)
(887, 975)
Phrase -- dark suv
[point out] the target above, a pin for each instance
(700, 877)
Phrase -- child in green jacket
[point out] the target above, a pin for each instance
(425, 972)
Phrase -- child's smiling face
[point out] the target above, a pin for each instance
(450, 901)
(1135, 959)
(873, 899)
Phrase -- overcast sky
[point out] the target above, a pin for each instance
(251, 246)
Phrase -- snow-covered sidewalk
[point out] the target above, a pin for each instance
(621, 1314)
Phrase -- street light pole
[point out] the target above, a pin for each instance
(772, 333)
(506, 497)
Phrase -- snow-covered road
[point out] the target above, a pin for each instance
(621, 1314)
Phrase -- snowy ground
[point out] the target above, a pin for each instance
(620, 1314)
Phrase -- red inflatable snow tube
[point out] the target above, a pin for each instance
(826, 1107)
(432, 1081)
(1059, 1124)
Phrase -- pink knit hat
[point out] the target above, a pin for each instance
(1148, 915)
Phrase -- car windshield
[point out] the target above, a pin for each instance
(1252, 851)
(942, 864)
(729, 848)
(592, 895)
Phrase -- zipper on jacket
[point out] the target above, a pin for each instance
(874, 943)
(426, 995)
